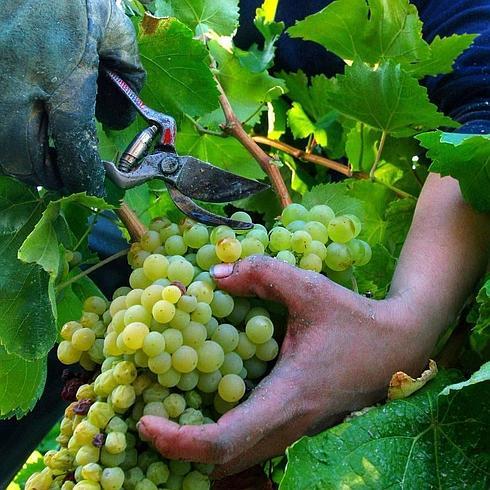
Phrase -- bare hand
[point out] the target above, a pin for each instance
(338, 355)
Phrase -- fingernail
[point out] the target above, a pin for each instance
(220, 271)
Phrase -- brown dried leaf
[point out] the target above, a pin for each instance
(402, 385)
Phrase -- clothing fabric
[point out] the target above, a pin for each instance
(464, 94)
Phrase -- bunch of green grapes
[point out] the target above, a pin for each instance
(173, 345)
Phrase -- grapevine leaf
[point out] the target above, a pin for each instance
(480, 376)
(247, 91)
(361, 146)
(255, 59)
(42, 245)
(467, 159)
(226, 153)
(139, 199)
(179, 79)
(399, 214)
(373, 31)
(374, 278)
(302, 126)
(335, 196)
(443, 54)
(425, 441)
(384, 98)
(22, 383)
(26, 320)
(220, 16)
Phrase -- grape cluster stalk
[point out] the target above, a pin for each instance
(172, 345)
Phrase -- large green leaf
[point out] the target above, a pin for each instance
(256, 59)
(27, 325)
(399, 214)
(52, 230)
(373, 31)
(226, 153)
(424, 441)
(179, 78)
(247, 91)
(480, 316)
(21, 383)
(220, 16)
(386, 98)
(467, 159)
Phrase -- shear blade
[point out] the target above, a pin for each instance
(191, 209)
(200, 180)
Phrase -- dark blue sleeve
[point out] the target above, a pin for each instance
(463, 94)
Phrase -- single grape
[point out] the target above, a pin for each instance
(134, 335)
(341, 229)
(226, 336)
(357, 223)
(173, 339)
(338, 257)
(293, 212)
(137, 313)
(208, 382)
(188, 381)
(138, 279)
(169, 379)
(317, 248)
(187, 303)
(174, 404)
(67, 354)
(228, 249)
(82, 339)
(154, 344)
(221, 406)
(259, 329)
(279, 239)
(161, 363)
(171, 293)
(115, 442)
(201, 290)
(311, 262)
(206, 257)
(255, 367)
(245, 348)
(268, 350)
(191, 416)
(95, 304)
(222, 304)
(170, 230)
(175, 245)
(210, 357)
(205, 276)
(123, 397)
(124, 372)
(117, 304)
(220, 232)
(196, 236)
(259, 234)
(300, 241)
(163, 311)
(317, 231)
(180, 320)
(322, 213)
(158, 472)
(194, 334)
(232, 364)
(150, 240)
(231, 388)
(181, 271)
(286, 256)
(360, 251)
(196, 481)
(133, 297)
(251, 246)
(202, 313)
(184, 359)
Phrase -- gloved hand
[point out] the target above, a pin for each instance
(51, 55)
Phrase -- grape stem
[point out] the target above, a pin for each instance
(326, 162)
(135, 227)
(303, 155)
(88, 271)
(233, 127)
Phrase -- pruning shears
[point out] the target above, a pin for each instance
(152, 155)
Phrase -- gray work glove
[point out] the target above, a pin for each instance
(51, 91)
